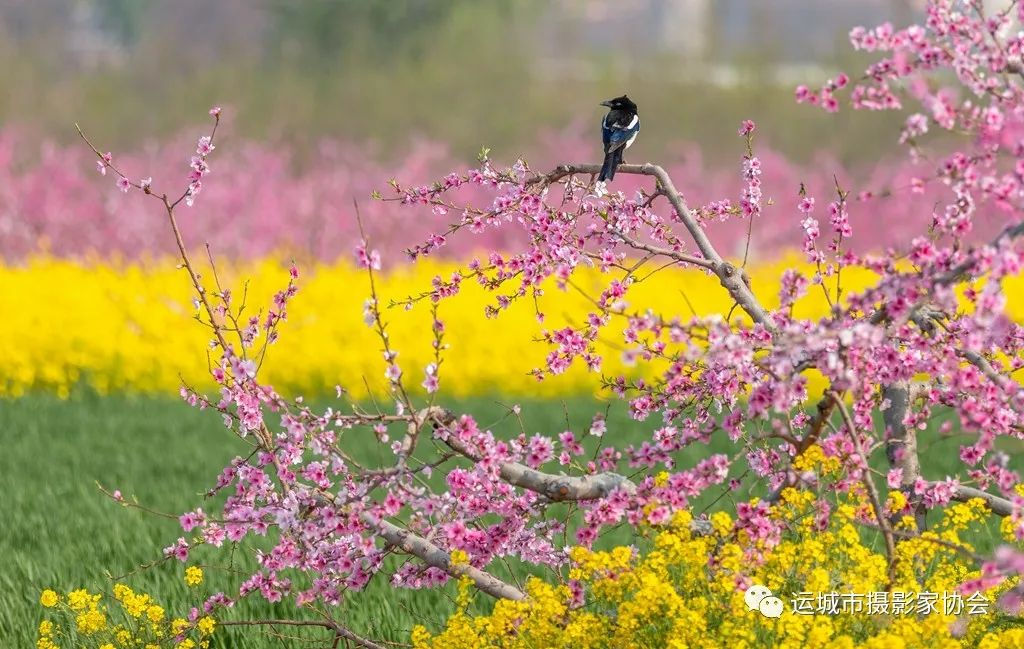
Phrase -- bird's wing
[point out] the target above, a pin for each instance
(619, 132)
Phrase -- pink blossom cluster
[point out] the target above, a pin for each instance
(825, 97)
(1007, 561)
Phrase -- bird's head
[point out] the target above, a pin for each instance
(620, 103)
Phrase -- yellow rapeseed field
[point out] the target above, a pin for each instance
(130, 327)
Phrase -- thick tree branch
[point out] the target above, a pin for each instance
(999, 506)
(557, 488)
(434, 556)
(901, 446)
(438, 558)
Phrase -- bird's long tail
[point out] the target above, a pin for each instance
(612, 160)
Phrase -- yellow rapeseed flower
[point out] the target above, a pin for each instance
(79, 600)
(206, 625)
(46, 643)
(722, 523)
(896, 502)
(459, 558)
(193, 575)
(155, 613)
(49, 598)
(90, 622)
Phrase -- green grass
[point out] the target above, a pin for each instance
(59, 531)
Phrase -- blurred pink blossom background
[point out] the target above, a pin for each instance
(269, 200)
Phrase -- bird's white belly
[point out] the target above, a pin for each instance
(630, 140)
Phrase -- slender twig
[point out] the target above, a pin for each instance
(869, 485)
(339, 630)
(379, 325)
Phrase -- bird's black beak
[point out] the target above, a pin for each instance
(607, 104)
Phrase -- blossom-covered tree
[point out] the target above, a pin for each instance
(929, 337)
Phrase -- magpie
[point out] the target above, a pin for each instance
(618, 130)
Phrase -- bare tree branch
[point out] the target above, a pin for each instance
(667, 252)
(557, 488)
(560, 488)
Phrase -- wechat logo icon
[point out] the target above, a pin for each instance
(760, 598)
